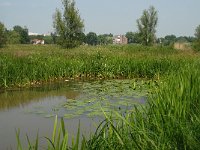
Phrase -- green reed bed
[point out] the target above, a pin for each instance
(169, 120)
(45, 64)
(27, 70)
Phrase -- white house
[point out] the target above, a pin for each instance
(120, 39)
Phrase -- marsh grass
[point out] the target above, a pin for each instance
(170, 119)
(28, 65)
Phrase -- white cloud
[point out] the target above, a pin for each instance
(5, 4)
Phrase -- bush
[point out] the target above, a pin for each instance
(3, 38)
(196, 45)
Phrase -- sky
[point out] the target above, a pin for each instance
(178, 17)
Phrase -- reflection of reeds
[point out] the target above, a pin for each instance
(18, 98)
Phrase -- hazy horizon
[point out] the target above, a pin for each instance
(117, 17)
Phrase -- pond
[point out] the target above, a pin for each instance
(34, 109)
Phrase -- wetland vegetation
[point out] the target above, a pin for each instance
(26, 65)
(142, 95)
(167, 118)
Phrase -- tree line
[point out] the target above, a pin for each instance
(69, 31)
(20, 35)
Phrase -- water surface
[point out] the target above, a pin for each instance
(34, 109)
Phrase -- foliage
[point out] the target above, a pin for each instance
(22, 65)
(40, 37)
(23, 32)
(133, 37)
(169, 40)
(196, 45)
(170, 120)
(13, 37)
(48, 40)
(105, 39)
(147, 26)
(3, 38)
(181, 39)
(91, 38)
(58, 141)
(69, 26)
(197, 32)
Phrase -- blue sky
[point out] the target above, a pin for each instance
(179, 17)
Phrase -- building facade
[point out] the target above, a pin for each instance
(120, 39)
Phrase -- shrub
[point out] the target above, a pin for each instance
(3, 38)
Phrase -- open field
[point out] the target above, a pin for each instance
(169, 120)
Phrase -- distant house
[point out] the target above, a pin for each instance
(182, 45)
(37, 41)
(120, 39)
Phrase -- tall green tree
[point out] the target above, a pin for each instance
(196, 43)
(3, 38)
(13, 37)
(169, 40)
(23, 32)
(105, 39)
(69, 26)
(133, 37)
(147, 26)
(91, 38)
(197, 32)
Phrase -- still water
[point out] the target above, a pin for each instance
(34, 109)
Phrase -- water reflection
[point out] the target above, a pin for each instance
(34, 108)
(22, 97)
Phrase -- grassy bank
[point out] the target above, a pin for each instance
(169, 120)
(25, 65)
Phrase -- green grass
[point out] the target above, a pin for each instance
(26, 65)
(169, 120)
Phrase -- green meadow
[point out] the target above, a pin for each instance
(170, 119)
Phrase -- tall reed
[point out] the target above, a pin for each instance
(170, 120)
(34, 66)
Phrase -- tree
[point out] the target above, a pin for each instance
(23, 32)
(197, 32)
(169, 40)
(48, 40)
(13, 37)
(133, 37)
(91, 38)
(130, 37)
(54, 37)
(3, 38)
(105, 39)
(147, 26)
(69, 25)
